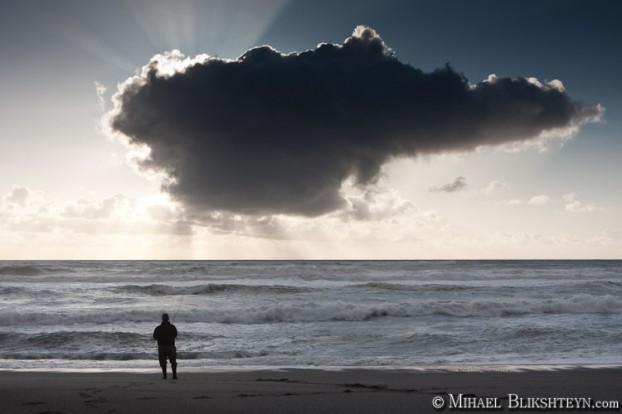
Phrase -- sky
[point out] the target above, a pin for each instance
(293, 129)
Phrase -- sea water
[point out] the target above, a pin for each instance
(101, 314)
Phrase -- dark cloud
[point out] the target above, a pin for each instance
(458, 184)
(272, 133)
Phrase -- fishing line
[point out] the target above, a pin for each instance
(178, 306)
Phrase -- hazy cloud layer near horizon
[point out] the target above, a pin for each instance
(274, 133)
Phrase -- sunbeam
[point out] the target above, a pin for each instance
(217, 27)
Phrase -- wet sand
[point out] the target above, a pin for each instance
(294, 390)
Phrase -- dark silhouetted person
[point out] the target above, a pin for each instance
(165, 334)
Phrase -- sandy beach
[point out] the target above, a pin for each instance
(298, 390)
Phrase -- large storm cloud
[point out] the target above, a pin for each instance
(274, 133)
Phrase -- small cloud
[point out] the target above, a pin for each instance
(100, 90)
(94, 209)
(577, 207)
(539, 200)
(458, 184)
(570, 197)
(573, 204)
(22, 198)
(376, 204)
(495, 187)
(570, 201)
(18, 195)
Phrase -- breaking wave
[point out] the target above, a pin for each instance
(335, 311)
(207, 289)
(20, 270)
(102, 313)
(402, 287)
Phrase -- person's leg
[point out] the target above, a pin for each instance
(173, 359)
(162, 358)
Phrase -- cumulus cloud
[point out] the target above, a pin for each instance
(18, 195)
(495, 187)
(573, 205)
(278, 133)
(28, 211)
(22, 200)
(570, 202)
(376, 204)
(100, 90)
(369, 207)
(539, 200)
(458, 184)
(224, 222)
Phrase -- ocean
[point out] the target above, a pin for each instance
(244, 314)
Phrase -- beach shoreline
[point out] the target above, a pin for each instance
(299, 390)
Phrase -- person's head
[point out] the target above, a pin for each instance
(165, 317)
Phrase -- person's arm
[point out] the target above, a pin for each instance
(155, 334)
(174, 331)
